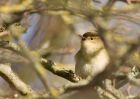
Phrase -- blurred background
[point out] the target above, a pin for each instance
(54, 33)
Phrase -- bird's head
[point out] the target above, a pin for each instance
(91, 42)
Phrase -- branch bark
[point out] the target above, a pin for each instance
(54, 68)
(14, 80)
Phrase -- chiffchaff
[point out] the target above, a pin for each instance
(92, 58)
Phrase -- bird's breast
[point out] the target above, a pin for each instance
(84, 70)
(96, 65)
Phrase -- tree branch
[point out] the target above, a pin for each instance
(55, 69)
(13, 79)
(47, 64)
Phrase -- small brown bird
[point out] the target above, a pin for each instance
(92, 58)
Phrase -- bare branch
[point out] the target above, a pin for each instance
(55, 68)
(13, 79)
(49, 65)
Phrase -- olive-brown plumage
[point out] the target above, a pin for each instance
(92, 58)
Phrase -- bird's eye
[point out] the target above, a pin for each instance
(91, 38)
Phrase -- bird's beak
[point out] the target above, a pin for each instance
(81, 37)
